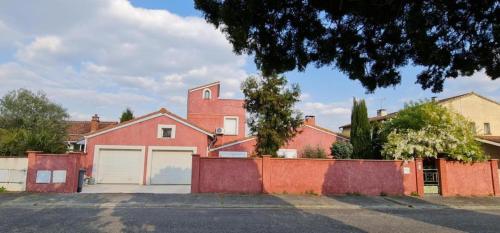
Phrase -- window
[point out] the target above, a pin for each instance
(207, 94)
(472, 127)
(166, 131)
(487, 129)
(231, 125)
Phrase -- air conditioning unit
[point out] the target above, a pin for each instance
(219, 131)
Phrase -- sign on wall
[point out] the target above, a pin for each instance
(43, 176)
(59, 176)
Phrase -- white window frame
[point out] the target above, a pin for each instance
(160, 131)
(209, 94)
(237, 125)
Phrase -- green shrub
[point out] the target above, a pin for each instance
(341, 150)
(313, 152)
(2, 189)
(427, 129)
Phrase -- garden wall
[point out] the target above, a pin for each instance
(476, 179)
(53, 172)
(299, 176)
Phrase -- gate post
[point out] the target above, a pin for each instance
(195, 174)
(495, 178)
(443, 177)
(419, 173)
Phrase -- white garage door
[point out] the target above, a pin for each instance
(171, 167)
(120, 166)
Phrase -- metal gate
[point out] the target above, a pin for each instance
(431, 181)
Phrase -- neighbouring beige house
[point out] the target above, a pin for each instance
(484, 113)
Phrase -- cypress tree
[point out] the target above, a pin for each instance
(360, 131)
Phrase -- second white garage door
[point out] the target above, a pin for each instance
(171, 167)
(120, 166)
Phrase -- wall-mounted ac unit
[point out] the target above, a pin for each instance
(219, 131)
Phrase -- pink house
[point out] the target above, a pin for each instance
(156, 149)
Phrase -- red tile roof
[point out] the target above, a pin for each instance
(76, 129)
(162, 110)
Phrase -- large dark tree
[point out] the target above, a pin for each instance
(271, 107)
(368, 40)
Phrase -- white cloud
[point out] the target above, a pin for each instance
(479, 82)
(103, 55)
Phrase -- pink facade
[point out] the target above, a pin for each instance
(209, 113)
(309, 135)
(145, 134)
(299, 176)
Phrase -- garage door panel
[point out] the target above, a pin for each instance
(120, 166)
(171, 167)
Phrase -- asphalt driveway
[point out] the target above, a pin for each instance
(244, 213)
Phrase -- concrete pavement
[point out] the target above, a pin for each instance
(244, 213)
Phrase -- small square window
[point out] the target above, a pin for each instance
(166, 131)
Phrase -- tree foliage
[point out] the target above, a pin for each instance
(360, 131)
(368, 40)
(341, 150)
(427, 129)
(127, 115)
(29, 121)
(270, 104)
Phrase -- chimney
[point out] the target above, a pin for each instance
(381, 112)
(310, 120)
(94, 123)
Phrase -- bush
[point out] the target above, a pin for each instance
(2, 189)
(427, 129)
(313, 152)
(341, 150)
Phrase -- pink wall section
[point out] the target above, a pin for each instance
(71, 163)
(479, 179)
(145, 134)
(224, 175)
(299, 176)
(209, 114)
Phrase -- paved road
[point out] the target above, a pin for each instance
(213, 213)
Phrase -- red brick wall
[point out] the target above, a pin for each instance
(477, 179)
(70, 162)
(298, 176)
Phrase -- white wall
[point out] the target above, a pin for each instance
(13, 173)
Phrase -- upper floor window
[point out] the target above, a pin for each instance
(472, 127)
(207, 94)
(231, 125)
(487, 129)
(166, 131)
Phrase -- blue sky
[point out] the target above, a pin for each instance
(100, 56)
